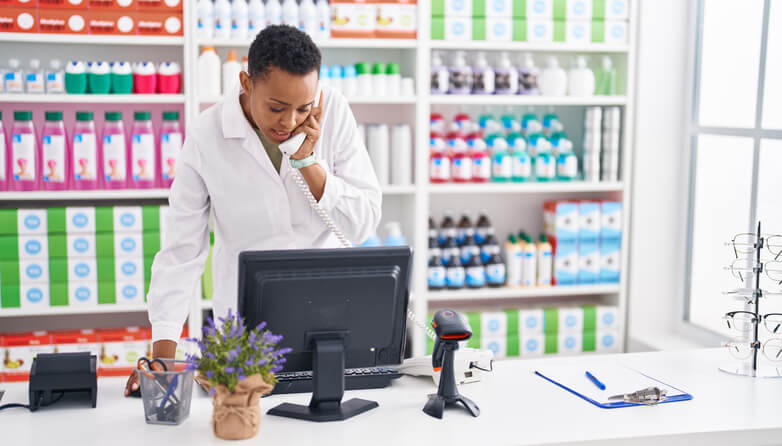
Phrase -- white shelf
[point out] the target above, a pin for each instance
(68, 310)
(95, 98)
(521, 293)
(92, 39)
(524, 46)
(478, 99)
(120, 194)
(398, 190)
(525, 188)
(355, 101)
(205, 304)
(331, 43)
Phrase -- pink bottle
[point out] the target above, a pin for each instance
(55, 153)
(114, 153)
(439, 161)
(169, 78)
(481, 162)
(143, 153)
(25, 154)
(460, 159)
(144, 78)
(171, 139)
(84, 153)
(3, 157)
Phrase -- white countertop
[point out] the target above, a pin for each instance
(517, 408)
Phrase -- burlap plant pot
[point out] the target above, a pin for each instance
(237, 415)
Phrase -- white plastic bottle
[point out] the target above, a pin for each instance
(209, 73)
(55, 77)
(553, 79)
(206, 21)
(377, 144)
(308, 18)
(256, 17)
(581, 80)
(273, 12)
(222, 15)
(506, 77)
(402, 161)
(482, 76)
(529, 262)
(240, 19)
(439, 75)
(513, 260)
(35, 80)
(231, 69)
(528, 76)
(324, 19)
(14, 78)
(545, 261)
(290, 13)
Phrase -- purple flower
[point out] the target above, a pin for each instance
(253, 337)
(210, 355)
(284, 351)
(210, 374)
(211, 391)
(229, 370)
(280, 361)
(210, 322)
(241, 377)
(275, 369)
(262, 362)
(232, 354)
(261, 326)
(191, 366)
(267, 350)
(249, 363)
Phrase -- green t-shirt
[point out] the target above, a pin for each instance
(272, 150)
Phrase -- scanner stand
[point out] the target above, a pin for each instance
(328, 384)
(53, 373)
(447, 393)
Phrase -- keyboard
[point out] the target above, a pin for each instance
(355, 379)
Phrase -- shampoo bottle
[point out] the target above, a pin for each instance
(553, 79)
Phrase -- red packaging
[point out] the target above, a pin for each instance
(111, 22)
(63, 4)
(144, 78)
(18, 20)
(113, 5)
(169, 78)
(120, 350)
(19, 351)
(30, 4)
(76, 341)
(159, 24)
(160, 5)
(62, 21)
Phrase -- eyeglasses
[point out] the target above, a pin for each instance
(750, 294)
(744, 321)
(747, 242)
(772, 349)
(740, 267)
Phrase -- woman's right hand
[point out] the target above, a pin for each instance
(132, 384)
(163, 349)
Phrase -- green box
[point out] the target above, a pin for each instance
(438, 8)
(151, 243)
(479, 28)
(9, 248)
(560, 9)
(104, 219)
(551, 321)
(58, 270)
(559, 30)
(519, 9)
(106, 272)
(104, 245)
(10, 296)
(598, 31)
(590, 318)
(58, 294)
(589, 342)
(58, 246)
(512, 318)
(598, 9)
(513, 347)
(552, 343)
(519, 30)
(150, 216)
(8, 222)
(478, 8)
(474, 320)
(438, 28)
(9, 273)
(107, 292)
(55, 219)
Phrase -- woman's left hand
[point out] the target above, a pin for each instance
(310, 127)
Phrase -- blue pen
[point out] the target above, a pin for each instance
(597, 382)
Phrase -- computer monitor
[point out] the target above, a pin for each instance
(335, 308)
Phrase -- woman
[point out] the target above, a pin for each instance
(231, 165)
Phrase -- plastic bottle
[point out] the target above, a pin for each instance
(121, 78)
(99, 78)
(171, 139)
(513, 261)
(324, 19)
(290, 13)
(256, 17)
(25, 156)
(537, 144)
(55, 77)
(545, 167)
(434, 241)
(349, 81)
(482, 76)
(231, 69)
(581, 80)
(393, 80)
(84, 153)
(447, 227)
(521, 162)
(491, 240)
(481, 161)
(462, 125)
(482, 227)
(510, 123)
(489, 124)
(475, 271)
(545, 261)
(560, 143)
(34, 79)
(605, 78)
(496, 272)
(209, 73)
(335, 78)
(14, 77)
(464, 228)
(308, 18)
(379, 80)
(439, 75)
(461, 160)
(273, 12)
(114, 152)
(502, 167)
(144, 78)
(506, 80)
(454, 274)
(567, 166)
(379, 151)
(364, 77)
(553, 79)
(451, 251)
(240, 20)
(437, 124)
(222, 19)
(169, 78)
(497, 143)
(460, 75)
(528, 76)
(206, 21)
(3, 156)
(552, 124)
(436, 273)
(143, 154)
(75, 78)
(439, 161)
(530, 125)
(529, 262)
(54, 153)
(394, 236)
(402, 161)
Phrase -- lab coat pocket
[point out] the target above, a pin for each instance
(302, 214)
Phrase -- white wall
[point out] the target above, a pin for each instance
(661, 176)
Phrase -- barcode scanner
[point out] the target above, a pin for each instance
(450, 328)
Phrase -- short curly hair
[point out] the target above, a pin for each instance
(284, 47)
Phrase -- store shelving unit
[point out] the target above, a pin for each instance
(413, 202)
(94, 98)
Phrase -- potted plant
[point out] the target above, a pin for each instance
(237, 365)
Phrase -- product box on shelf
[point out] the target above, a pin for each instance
(159, 24)
(19, 351)
(353, 18)
(532, 345)
(80, 246)
(610, 261)
(566, 264)
(457, 28)
(540, 9)
(82, 293)
(127, 219)
(496, 29)
(578, 10)
(612, 32)
(80, 220)
(62, 21)
(606, 317)
(577, 32)
(160, 5)
(540, 30)
(570, 343)
(589, 262)
(497, 344)
(21, 3)
(589, 221)
(29, 221)
(453, 8)
(114, 5)
(531, 321)
(111, 22)
(397, 19)
(607, 341)
(29, 271)
(63, 4)
(561, 220)
(611, 9)
(34, 296)
(18, 20)
(76, 341)
(570, 319)
(130, 292)
(129, 269)
(82, 269)
(611, 220)
(120, 350)
(136, 244)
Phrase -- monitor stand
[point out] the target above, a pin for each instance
(328, 386)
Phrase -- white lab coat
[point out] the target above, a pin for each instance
(223, 167)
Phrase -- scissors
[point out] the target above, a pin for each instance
(146, 367)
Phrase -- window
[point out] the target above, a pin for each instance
(735, 144)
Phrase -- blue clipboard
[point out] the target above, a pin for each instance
(682, 396)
